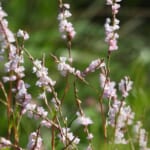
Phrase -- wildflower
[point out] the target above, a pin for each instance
(2, 13)
(112, 26)
(46, 123)
(111, 35)
(120, 115)
(42, 73)
(90, 136)
(22, 95)
(4, 143)
(41, 112)
(42, 95)
(5, 31)
(14, 64)
(64, 68)
(136, 128)
(141, 136)
(113, 111)
(68, 136)
(83, 120)
(35, 141)
(30, 109)
(108, 86)
(115, 8)
(125, 86)
(65, 27)
(35, 111)
(119, 137)
(94, 65)
(10, 78)
(23, 34)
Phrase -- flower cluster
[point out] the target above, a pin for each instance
(125, 117)
(67, 137)
(42, 73)
(23, 34)
(14, 66)
(18, 101)
(108, 87)
(35, 141)
(37, 112)
(64, 68)
(6, 35)
(3, 44)
(141, 136)
(111, 26)
(94, 65)
(65, 27)
(120, 114)
(83, 120)
(15, 58)
(22, 95)
(4, 143)
(125, 86)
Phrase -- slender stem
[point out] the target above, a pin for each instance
(69, 50)
(78, 102)
(103, 114)
(4, 92)
(60, 3)
(66, 89)
(53, 135)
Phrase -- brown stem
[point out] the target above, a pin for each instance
(103, 115)
(69, 48)
(53, 135)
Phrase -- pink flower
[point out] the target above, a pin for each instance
(110, 29)
(108, 86)
(113, 45)
(115, 8)
(67, 135)
(66, 27)
(35, 141)
(83, 120)
(2, 14)
(23, 34)
(125, 86)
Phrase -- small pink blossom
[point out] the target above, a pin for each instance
(108, 86)
(115, 8)
(23, 34)
(35, 141)
(46, 123)
(125, 86)
(83, 120)
(5, 143)
(66, 27)
(42, 73)
(90, 136)
(67, 135)
(2, 13)
(111, 26)
(64, 68)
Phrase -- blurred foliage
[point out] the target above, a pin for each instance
(39, 18)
